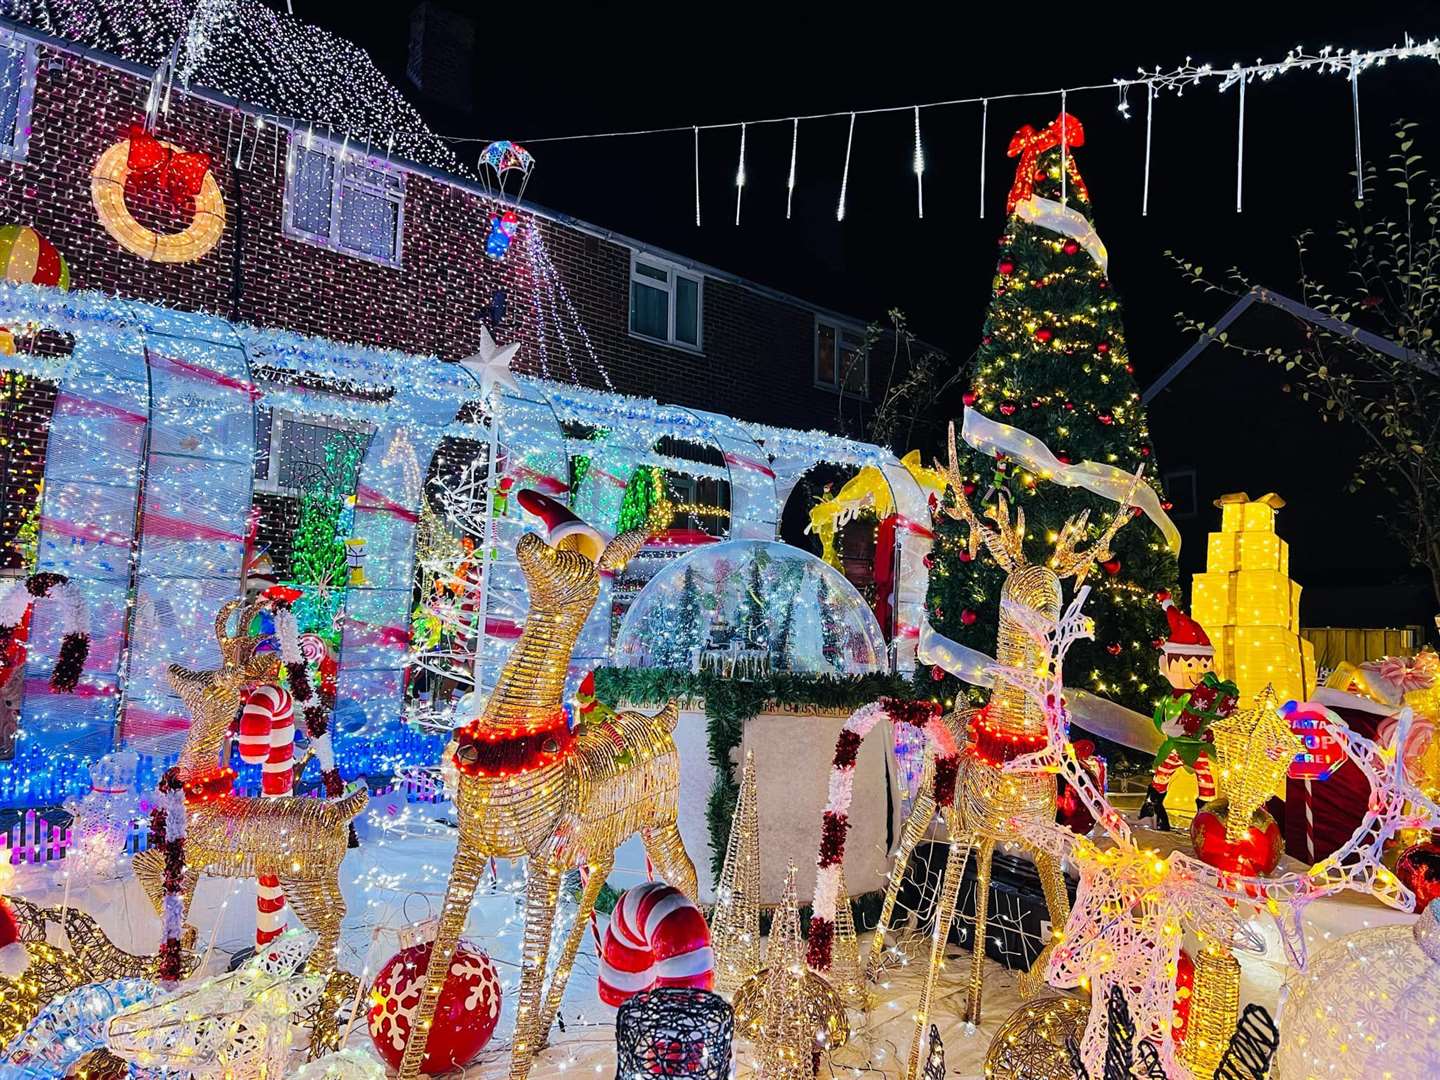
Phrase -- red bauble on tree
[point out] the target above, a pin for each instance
(1258, 850)
(465, 1015)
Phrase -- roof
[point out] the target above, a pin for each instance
(248, 52)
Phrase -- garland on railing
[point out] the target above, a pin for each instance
(835, 821)
(167, 833)
(731, 702)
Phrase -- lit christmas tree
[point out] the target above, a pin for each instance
(646, 503)
(752, 620)
(1053, 362)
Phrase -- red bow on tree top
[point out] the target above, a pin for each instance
(153, 164)
(1029, 144)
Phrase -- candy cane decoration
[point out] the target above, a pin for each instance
(16, 605)
(656, 937)
(835, 822)
(267, 738)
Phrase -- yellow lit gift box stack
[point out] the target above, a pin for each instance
(1249, 605)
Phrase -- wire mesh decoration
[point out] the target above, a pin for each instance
(674, 1031)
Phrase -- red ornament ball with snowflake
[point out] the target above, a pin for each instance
(465, 1016)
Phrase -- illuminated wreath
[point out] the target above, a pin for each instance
(186, 177)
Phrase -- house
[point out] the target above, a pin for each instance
(328, 235)
(240, 272)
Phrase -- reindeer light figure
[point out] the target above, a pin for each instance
(990, 797)
(298, 840)
(1134, 905)
(528, 786)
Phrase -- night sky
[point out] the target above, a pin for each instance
(550, 72)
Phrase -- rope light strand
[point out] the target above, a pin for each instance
(984, 131)
(740, 175)
(845, 176)
(1240, 154)
(1355, 109)
(1149, 123)
(919, 167)
(1064, 148)
(696, 130)
(790, 183)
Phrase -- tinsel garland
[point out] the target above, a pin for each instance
(835, 821)
(167, 832)
(314, 711)
(482, 753)
(995, 746)
(74, 623)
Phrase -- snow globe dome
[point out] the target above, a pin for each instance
(747, 608)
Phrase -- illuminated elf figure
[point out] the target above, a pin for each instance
(1198, 697)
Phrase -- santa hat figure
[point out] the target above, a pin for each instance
(565, 531)
(1187, 637)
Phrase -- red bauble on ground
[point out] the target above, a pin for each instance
(1419, 869)
(465, 1016)
(1257, 852)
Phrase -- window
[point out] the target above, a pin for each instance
(17, 92)
(341, 200)
(290, 451)
(666, 303)
(840, 360)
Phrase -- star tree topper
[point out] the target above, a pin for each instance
(491, 365)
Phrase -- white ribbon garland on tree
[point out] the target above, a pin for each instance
(1106, 481)
(1058, 218)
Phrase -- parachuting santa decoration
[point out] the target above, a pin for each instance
(1198, 697)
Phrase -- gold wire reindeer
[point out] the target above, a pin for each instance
(300, 841)
(527, 786)
(988, 798)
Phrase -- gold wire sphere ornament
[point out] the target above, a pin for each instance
(107, 190)
(1030, 1045)
(824, 1010)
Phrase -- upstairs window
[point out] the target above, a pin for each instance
(665, 302)
(840, 361)
(341, 200)
(17, 93)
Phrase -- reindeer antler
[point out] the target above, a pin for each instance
(1004, 540)
(1069, 560)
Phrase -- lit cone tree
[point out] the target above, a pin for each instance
(1053, 362)
(735, 922)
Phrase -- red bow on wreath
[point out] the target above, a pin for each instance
(1029, 144)
(153, 164)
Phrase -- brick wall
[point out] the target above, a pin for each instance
(757, 360)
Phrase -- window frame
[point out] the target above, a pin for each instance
(270, 482)
(340, 156)
(837, 385)
(18, 147)
(673, 272)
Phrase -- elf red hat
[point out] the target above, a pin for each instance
(1187, 637)
(564, 529)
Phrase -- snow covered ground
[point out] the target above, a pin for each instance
(395, 881)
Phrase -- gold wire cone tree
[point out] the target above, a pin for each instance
(735, 925)
(785, 1042)
(845, 973)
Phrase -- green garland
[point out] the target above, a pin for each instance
(729, 703)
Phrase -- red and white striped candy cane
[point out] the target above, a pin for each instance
(267, 737)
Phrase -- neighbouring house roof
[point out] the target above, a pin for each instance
(245, 50)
